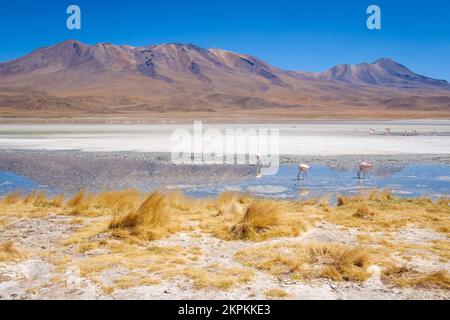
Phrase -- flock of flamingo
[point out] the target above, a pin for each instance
(388, 132)
(364, 168)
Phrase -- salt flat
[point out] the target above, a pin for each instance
(324, 138)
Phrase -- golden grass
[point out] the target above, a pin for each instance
(230, 216)
(233, 216)
(381, 211)
(309, 261)
(126, 282)
(260, 216)
(77, 200)
(58, 201)
(439, 279)
(406, 277)
(37, 198)
(276, 294)
(217, 277)
(364, 212)
(140, 265)
(158, 216)
(116, 229)
(33, 205)
(9, 253)
(12, 198)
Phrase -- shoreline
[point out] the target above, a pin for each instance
(164, 157)
(207, 120)
(70, 171)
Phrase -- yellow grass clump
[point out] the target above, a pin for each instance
(103, 203)
(8, 252)
(37, 198)
(58, 201)
(155, 218)
(217, 277)
(233, 216)
(276, 294)
(381, 211)
(33, 205)
(406, 277)
(309, 261)
(364, 212)
(258, 218)
(12, 198)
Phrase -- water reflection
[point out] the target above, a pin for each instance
(68, 175)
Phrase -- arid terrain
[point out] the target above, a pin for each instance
(128, 245)
(76, 82)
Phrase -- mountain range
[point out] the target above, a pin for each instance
(180, 81)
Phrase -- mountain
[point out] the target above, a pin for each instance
(177, 80)
(383, 72)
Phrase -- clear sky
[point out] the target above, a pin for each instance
(310, 35)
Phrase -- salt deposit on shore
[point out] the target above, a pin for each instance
(322, 139)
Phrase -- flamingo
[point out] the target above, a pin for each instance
(388, 132)
(258, 165)
(364, 167)
(303, 169)
(372, 131)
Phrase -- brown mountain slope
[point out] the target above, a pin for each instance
(74, 79)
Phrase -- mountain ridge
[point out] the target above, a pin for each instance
(108, 79)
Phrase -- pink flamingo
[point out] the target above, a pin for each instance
(303, 169)
(364, 167)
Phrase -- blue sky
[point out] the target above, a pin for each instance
(291, 34)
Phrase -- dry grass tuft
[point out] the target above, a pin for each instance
(234, 216)
(364, 212)
(439, 279)
(12, 198)
(342, 200)
(78, 200)
(58, 201)
(118, 201)
(380, 195)
(276, 294)
(406, 277)
(382, 212)
(217, 277)
(152, 219)
(259, 217)
(8, 252)
(37, 198)
(309, 261)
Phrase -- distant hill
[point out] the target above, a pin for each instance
(175, 80)
(383, 72)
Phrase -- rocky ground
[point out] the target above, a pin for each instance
(40, 277)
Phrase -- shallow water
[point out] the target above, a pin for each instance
(101, 157)
(406, 181)
(411, 181)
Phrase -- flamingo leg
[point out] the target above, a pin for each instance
(359, 174)
(298, 176)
